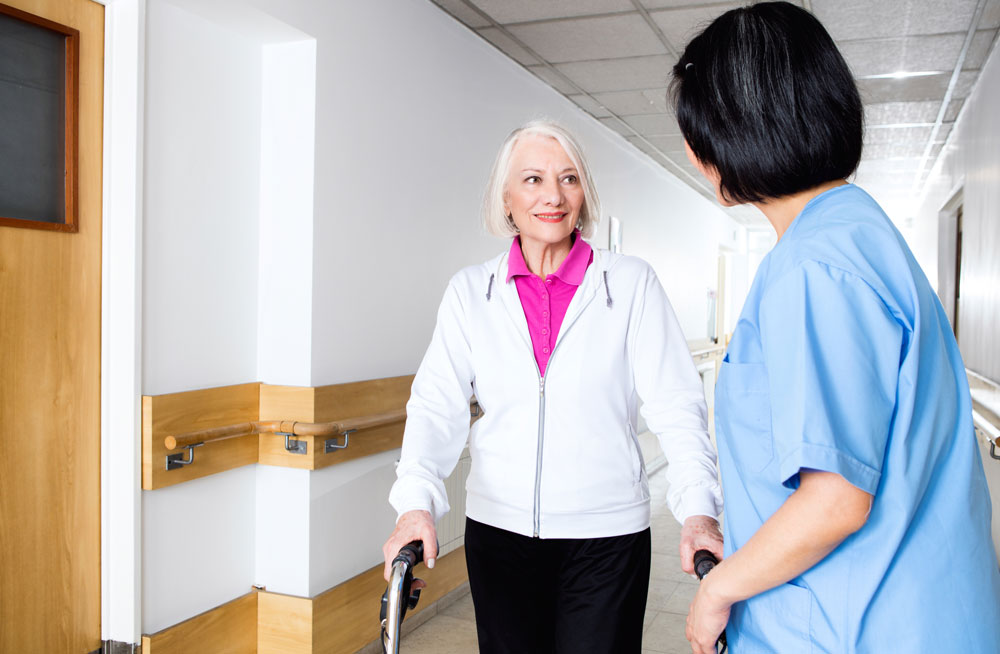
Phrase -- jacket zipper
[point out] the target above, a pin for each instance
(538, 456)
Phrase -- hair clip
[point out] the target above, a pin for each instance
(688, 66)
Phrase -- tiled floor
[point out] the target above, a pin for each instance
(453, 630)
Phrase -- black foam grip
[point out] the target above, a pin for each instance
(704, 561)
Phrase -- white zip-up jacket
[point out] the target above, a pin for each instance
(557, 457)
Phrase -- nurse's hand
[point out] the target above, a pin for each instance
(707, 617)
(700, 532)
(411, 526)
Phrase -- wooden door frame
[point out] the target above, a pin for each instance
(121, 327)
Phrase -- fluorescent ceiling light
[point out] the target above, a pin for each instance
(902, 74)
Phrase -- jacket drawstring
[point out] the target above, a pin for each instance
(489, 289)
(607, 291)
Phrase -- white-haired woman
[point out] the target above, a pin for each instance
(558, 342)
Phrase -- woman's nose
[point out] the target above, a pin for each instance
(552, 193)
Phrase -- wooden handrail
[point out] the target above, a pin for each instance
(328, 429)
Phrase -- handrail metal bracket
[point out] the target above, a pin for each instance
(176, 461)
(294, 445)
(331, 444)
(993, 450)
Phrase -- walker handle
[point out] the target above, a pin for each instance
(704, 561)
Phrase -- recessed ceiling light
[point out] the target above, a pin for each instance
(902, 74)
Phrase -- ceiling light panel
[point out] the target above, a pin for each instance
(681, 25)
(579, 39)
(519, 11)
(916, 53)
(913, 89)
(624, 74)
(863, 19)
(462, 12)
(508, 45)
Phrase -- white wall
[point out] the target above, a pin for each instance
(404, 135)
(200, 225)
(970, 161)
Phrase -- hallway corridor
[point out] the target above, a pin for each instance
(453, 629)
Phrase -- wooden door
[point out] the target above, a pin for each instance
(50, 382)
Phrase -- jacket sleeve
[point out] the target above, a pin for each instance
(674, 405)
(437, 414)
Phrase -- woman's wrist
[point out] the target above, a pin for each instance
(717, 587)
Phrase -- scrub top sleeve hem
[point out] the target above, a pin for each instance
(827, 459)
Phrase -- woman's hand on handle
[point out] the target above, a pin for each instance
(411, 526)
(699, 532)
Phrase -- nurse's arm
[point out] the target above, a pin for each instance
(818, 516)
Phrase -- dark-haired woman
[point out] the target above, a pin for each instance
(857, 515)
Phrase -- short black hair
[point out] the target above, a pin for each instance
(764, 96)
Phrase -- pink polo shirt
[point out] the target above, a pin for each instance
(545, 302)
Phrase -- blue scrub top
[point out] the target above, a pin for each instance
(844, 361)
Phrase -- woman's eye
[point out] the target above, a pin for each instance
(534, 179)
(570, 179)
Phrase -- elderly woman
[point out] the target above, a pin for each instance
(558, 342)
(857, 515)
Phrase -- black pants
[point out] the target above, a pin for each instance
(545, 596)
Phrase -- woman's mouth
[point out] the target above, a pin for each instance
(553, 217)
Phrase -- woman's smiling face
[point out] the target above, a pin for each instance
(544, 194)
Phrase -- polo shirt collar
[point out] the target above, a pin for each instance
(572, 270)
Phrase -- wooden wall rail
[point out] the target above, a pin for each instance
(292, 427)
(240, 420)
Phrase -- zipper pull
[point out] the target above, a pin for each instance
(541, 386)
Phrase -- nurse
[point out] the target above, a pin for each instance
(857, 516)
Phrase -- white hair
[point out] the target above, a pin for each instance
(495, 218)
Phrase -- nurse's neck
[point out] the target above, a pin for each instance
(780, 212)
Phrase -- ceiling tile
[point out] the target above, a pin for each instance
(589, 105)
(673, 143)
(553, 79)
(619, 74)
(643, 146)
(890, 151)
(462, 12)
(681, 25)
(664, 124)
(896, 113)
(627, 103)
(672, 4)
(980, 48)
(954, 107)
(878, 166)
(508, 46)
(944, 132)
(518, 11)
(577, 39)
(911, 54)
(913, 89)
(897, 135)
(991, 15)
(863, 19)
(966, 82)
(616, 125)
